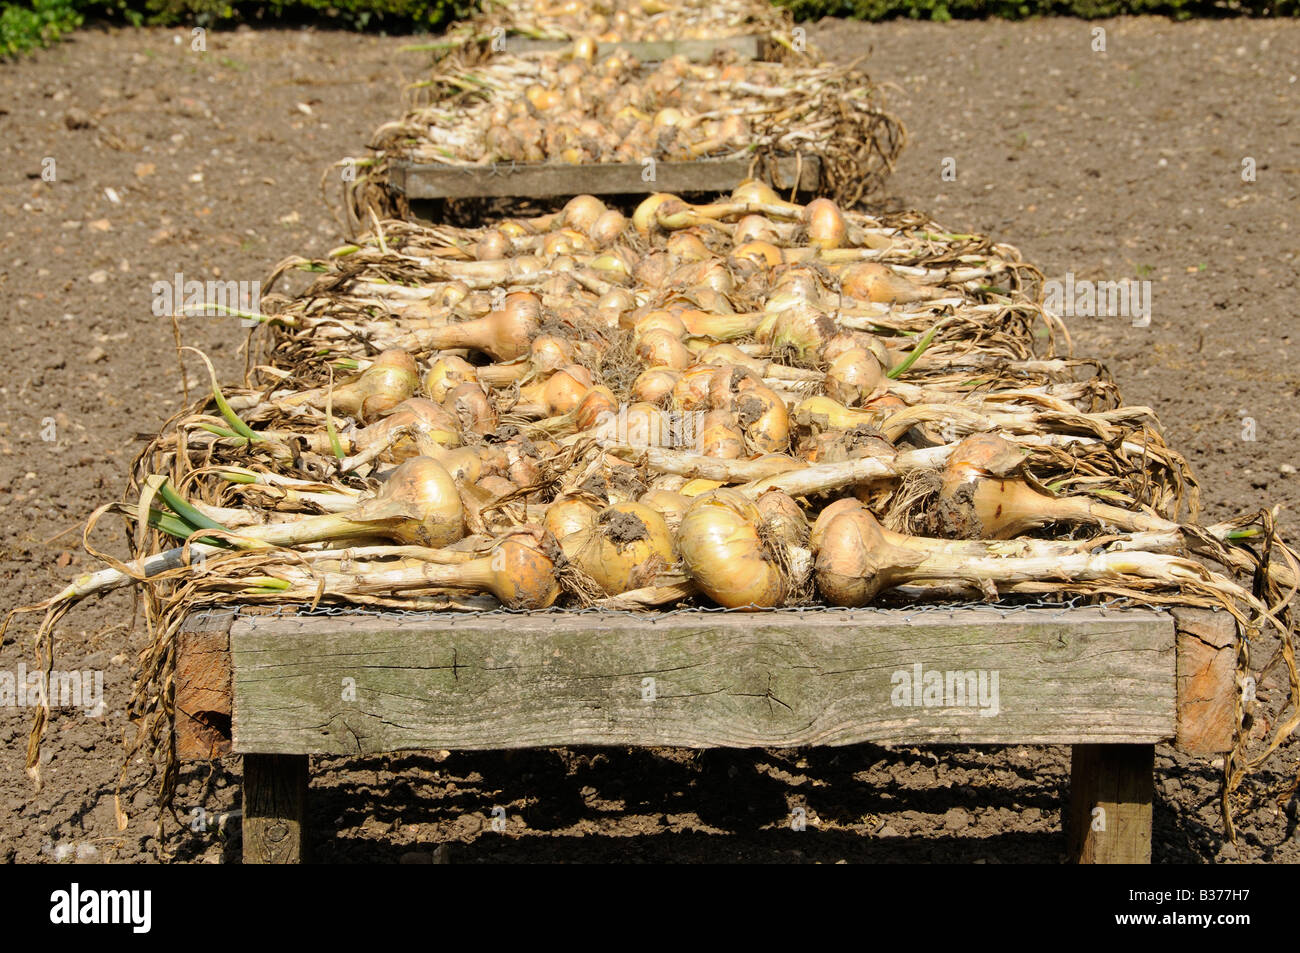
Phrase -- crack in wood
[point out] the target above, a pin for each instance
(768, 695)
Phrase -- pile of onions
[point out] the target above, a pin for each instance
(577, 108)
(622, 21)
(721, 402)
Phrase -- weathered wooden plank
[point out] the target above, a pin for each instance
(651, 51)
(1111, 789)
(275, 809)
(370, 685)
(203, 690)
(1207, 681)
(433, 181)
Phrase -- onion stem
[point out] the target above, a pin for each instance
(916, 352)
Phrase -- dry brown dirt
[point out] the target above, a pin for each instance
(1116, 165)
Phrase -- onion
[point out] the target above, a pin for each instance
(495, 487)
(762, 416)
(612, 305)
(451, 293)
(614, 264)
(847, 504)
(720, 547)
(416, 426)
(504, 334)
(797, 285)
(720, 436)
(550, 352)
(718, 327)
(668, 481)
(640, 425)
(519, 572)
(644, 218)
(730, 354)
(827, 414)
(760, 413)
(625, 548)
(784, 518)
(652, 270)
(686, 246)
(786, 529)
(606, 229)
(802, 330)
(492, 245)
(845, 341)
(858, 559)
(873, 281)
(756, 228)
(582, 212)
(755, 193)
(659, 320)
(472, 408)
(698, 487)
(598, 402)
(584, 49)
(655, 385)
(463, 463)
(761, 253)
(855, 561)
(669, 504)
(660, 348)
(826, 225)
(522, 467)
(691, 392)
(391, 379)
(543, 99)
(981, 497)
(836, 446)
(668, 117)
(559, 246)
(561, 392)
(418, 504)
(705, 301)
(853, 376)
(446, 373)
(568, 515)
(712, 275)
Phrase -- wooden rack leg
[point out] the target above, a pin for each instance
(1111, 789)
(275, 808)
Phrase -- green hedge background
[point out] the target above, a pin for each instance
(24, 25)
(1021, 9)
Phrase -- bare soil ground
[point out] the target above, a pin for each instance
(1116, 165)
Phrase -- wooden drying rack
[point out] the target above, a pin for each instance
(1112, 683)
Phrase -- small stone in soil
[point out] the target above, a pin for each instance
(76, 118)
(956, 818)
